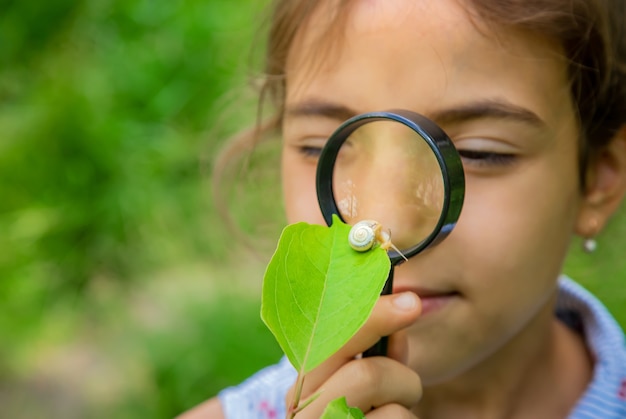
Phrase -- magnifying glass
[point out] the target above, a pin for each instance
(399, 169)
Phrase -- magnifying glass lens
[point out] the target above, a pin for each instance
(385, 171)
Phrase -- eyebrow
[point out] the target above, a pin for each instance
(492, 109)
(482, 109)
(320, 108)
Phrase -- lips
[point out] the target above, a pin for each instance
(424, 292)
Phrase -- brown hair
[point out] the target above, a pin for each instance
(591, 32)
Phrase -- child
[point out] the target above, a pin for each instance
(533, 94)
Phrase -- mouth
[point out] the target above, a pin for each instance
(432, 300)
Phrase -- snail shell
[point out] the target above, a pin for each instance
(363, 235)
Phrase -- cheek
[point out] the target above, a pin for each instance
(519, 231)
(520, 226)
(299, 193)
(508, 249)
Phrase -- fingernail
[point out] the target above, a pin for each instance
(405, 301)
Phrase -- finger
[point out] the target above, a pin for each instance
(393, 410)
(398, 347)
(368, 383)
(391, 313)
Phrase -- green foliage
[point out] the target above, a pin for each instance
(195, 361)
(313, 279)
(105, 110)
(339, 409)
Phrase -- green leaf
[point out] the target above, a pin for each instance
(339, 409)
(318, 291)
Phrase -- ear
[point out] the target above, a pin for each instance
(606, 186)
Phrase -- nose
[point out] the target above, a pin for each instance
(388, 173)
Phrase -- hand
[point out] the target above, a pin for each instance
(381, 387)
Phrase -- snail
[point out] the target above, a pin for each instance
(364, 234)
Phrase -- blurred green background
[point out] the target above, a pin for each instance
(117, 295)
(122, 292)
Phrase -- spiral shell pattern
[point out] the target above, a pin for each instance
(363, 235)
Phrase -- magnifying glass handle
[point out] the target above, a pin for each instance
(380, 347)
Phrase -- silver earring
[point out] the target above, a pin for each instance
(589, 245)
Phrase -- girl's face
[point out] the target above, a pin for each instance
(504, 100)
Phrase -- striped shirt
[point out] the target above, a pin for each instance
(262, 396)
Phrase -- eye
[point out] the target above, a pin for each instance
(308, 148)
(486, 158)
(310, 152)
(482, 152)
(311, 148)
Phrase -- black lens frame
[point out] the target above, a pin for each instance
(447, 157)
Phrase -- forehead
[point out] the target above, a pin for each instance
(435, 45)
(372, 16)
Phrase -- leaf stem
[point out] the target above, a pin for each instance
(293, 408)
